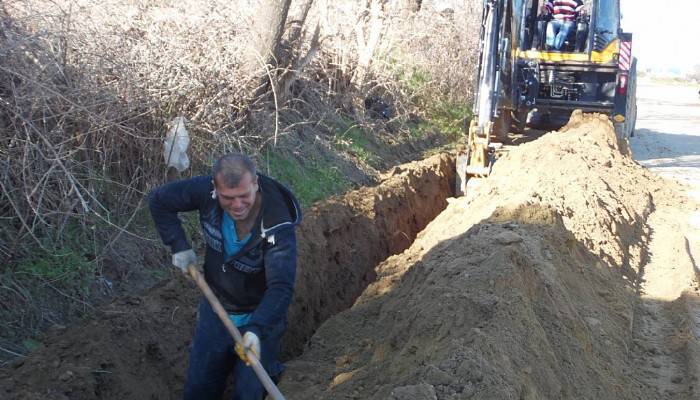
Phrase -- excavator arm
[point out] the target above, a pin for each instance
(477, 158)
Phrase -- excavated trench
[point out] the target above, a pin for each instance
(137, 347)
(532, 289)
(343, 239)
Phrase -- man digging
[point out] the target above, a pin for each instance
(248, 223)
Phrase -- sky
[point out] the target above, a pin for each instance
(666, 33)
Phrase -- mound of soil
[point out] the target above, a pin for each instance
(341, 240)
(137, 347)
(525, 290)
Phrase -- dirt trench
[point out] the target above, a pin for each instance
(341, 240)
(137, 347)
(531, 289)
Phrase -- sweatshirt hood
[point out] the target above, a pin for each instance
(280, 208)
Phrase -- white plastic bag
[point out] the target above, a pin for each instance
(175, 145)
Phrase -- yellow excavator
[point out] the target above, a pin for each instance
(521, 77)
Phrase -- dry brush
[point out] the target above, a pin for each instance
(87, 88)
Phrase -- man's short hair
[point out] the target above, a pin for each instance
(231, 168)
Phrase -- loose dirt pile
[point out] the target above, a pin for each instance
(137, 347)
(525, 291)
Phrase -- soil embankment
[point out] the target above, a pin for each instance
(529, 290)
(137, 347)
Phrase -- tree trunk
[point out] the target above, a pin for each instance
(297, 22)
(297, 66)
(266, 34)
(367, 43)
(297, 61)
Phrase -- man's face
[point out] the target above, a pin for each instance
(237, 201)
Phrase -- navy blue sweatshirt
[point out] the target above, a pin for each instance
(259, 279)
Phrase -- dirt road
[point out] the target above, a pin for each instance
(667, 141)
(667, 138)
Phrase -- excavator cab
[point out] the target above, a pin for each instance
(519, 76)
(534, 29)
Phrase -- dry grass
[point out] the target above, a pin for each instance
(87, 88)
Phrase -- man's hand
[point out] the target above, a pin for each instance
(250, 342)
(183, 259)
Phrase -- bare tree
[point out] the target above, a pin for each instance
(296, 22)
(298, 60)
(281, 54)
(266, 51)
(267, 28)
(368, 31)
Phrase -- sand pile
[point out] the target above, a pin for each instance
(525, 291)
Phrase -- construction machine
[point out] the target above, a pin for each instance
(520, 76)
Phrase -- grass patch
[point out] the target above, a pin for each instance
(451, 118)
(354, 141)
(46, 286)
(312, 181)
(414, 80)
(447, 119)
(417, 80)
(68, 264)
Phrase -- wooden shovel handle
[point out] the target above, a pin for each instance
(270, 386)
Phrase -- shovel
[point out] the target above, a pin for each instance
(272, 390)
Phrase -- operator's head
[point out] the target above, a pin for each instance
(236, 184)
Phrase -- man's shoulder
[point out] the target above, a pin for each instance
(193, 182)
(197, 187)
(280, 206)
(205, 180)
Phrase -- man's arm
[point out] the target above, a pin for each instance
(280, 272)
(168, 200)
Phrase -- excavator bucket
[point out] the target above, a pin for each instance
(474, 162)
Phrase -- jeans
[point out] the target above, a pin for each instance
(213, 358)
(557, 31)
